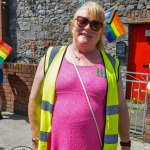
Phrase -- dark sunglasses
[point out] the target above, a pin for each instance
(94, 25)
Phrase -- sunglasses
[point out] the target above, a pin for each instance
(94, 25)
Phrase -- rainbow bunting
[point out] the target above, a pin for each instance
(114, 27)
(5, 50)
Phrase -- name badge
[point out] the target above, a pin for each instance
(101, 72)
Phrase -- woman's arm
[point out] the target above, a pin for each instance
(124, 123)
(148, 87)
(34, 106)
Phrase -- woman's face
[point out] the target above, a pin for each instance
(85, 36)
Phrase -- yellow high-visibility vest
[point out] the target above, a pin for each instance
(53, 60)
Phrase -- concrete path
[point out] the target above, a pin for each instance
(15, 132)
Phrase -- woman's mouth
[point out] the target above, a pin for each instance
(86, 35)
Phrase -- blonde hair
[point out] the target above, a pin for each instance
(96, 13)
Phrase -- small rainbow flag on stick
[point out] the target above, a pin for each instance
(5, 50)
(114, 27)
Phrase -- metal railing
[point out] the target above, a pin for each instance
(136, 96)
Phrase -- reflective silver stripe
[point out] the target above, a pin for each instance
(44, 136)
(111, 110)
(47, 106)
(111, 139)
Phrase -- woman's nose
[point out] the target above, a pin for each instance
(88, 26)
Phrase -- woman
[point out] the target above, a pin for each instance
(148, 87)
(82, 102)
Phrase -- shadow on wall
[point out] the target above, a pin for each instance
(8, 115)
(4, 101)
(20, 93)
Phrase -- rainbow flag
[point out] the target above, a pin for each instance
(114, 27)
(5, 50)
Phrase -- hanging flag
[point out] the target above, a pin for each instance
(5, 50)
(114, 27)
(83, 1)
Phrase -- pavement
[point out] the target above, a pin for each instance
(15, 132)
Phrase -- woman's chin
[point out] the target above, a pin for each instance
(84, 42)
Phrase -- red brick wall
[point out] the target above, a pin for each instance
(16, 88)
(147, 122)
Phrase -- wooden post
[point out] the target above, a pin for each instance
(0, 19)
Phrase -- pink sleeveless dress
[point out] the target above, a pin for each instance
(73, 126)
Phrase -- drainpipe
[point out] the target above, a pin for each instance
(0, 19)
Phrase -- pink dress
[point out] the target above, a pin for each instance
(73, 126)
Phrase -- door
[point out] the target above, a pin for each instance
(139, 58)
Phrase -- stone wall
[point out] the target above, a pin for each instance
(36, 25)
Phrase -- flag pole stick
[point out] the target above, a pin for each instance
(117, 4)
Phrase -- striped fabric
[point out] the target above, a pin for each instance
(114, 27)
(5, 50)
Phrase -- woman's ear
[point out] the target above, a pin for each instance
(71, 25)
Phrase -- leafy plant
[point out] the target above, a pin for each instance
(133, 103)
